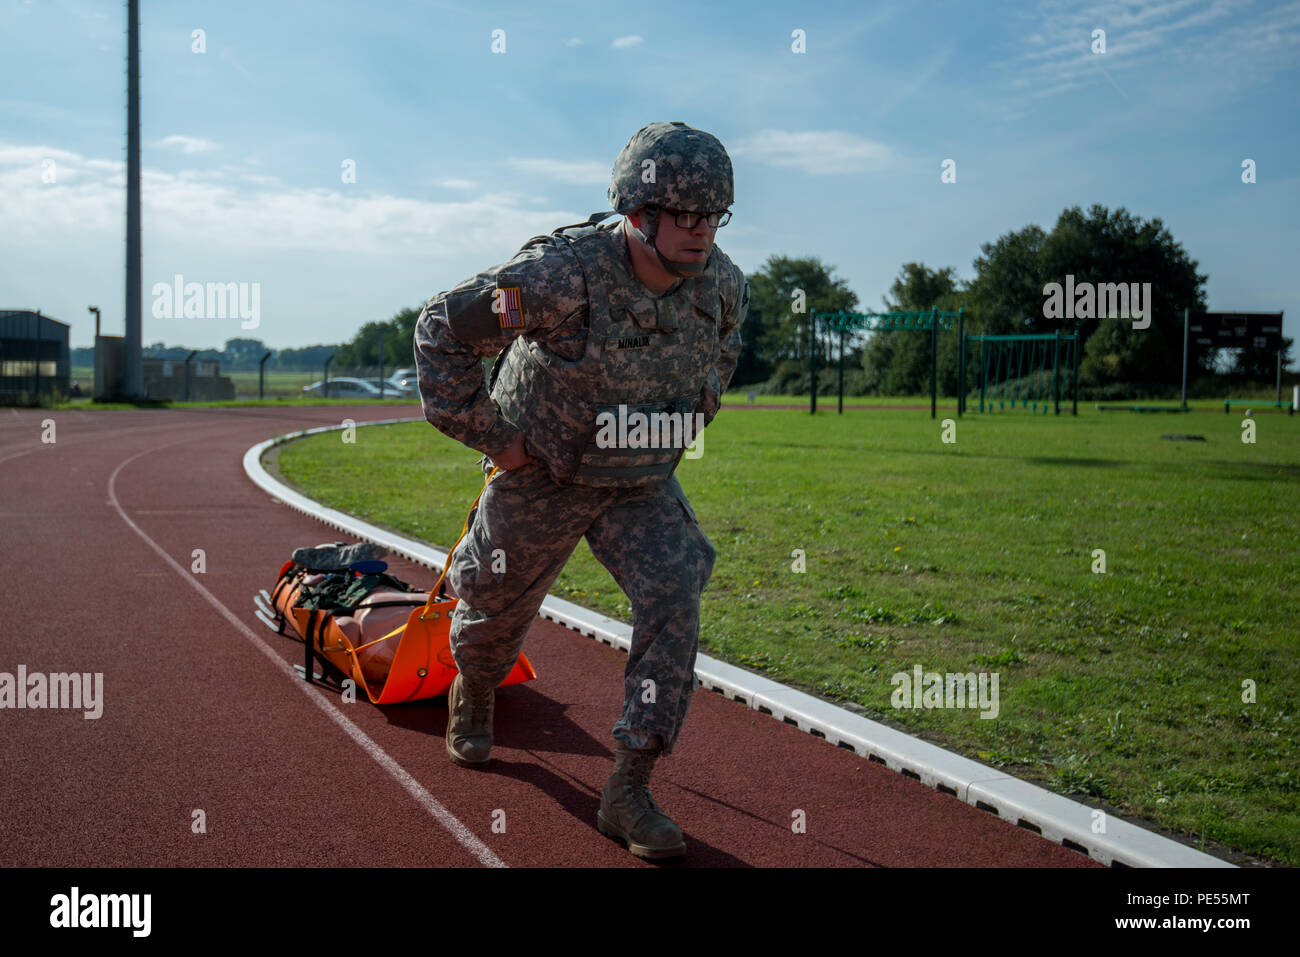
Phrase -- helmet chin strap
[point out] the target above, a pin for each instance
(682, 270)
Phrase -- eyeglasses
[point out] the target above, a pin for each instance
(688, 220)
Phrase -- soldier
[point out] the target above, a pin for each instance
(639, 316)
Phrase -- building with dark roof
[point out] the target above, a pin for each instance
(34, 358)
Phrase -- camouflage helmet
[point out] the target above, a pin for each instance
(674, 166)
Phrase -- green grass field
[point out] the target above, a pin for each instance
(979, 556)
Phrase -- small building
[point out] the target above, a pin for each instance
(34, 357)
(166, 379)
(163, 379)
(110, 368)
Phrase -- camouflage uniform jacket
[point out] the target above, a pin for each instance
(581, 335)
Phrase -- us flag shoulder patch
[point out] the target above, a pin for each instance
(509, 311)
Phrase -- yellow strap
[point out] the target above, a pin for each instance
(395, 631)
(433, 592)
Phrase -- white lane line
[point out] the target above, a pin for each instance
(426, 800)
(80, 439)
(16, 455)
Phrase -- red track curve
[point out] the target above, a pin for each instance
(198, 714)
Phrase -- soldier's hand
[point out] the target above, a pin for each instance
(515, 456)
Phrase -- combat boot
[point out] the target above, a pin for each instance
(469, 722)
(629, 813)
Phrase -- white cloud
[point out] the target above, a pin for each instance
(451, 182)
(29, 165)
(1230, 42)
(187, 144)
(237, 210)
(628, 41)
(573, 172)
(21, 155)
(819, 153)
(574, 42)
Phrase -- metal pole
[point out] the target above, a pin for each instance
(1019, 353)
(1042, 367)
(841, 371)
(1074, 386)
(1026, 380)
(1036, 365)
(1006, 352)
(1279, 357)
(38, 357)
(381, 362)
(187, 373)
(995, 361)
(1012, 352)
(1185, 341)
(934, 358)
(133, 383)
(1026, 363)
(812, 360)
(1056, 381)
(1032, 395)
(261, 375)
(961, 359)
(95, 310)
(1279, 377)
(1002, 352)
(984, 372)
(326, 387)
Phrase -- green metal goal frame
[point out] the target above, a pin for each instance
(931, 320)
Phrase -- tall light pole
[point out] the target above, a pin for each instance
(133, 379)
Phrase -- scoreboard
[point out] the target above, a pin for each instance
(1237, 330)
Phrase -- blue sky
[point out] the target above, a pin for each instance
(462, 154)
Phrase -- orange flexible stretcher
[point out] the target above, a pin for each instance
(408, 662)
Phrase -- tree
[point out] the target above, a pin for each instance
(397, 335)
(306, 359)
(1115, 247)
(897, 361)
(1103, 247)
(243, 353)
(750, 368)
(1254, 365)
(179, 353)
(1008, 283)
(779, 332)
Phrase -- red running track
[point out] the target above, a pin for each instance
(202, 713)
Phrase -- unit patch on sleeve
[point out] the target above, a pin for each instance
(507, 306)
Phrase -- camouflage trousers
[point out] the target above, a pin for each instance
(520, 537)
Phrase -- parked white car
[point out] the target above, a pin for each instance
(406, 379)
(391, 389)
(343, 388)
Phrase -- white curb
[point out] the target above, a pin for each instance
(1056, 818)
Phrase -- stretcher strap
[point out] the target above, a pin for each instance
(377, 640)
(463, 529)
(433, 592)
